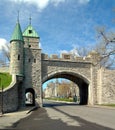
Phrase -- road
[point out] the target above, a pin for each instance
(62, 116)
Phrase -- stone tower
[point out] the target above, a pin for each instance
(32, 63)
(16, 49)
(26, 62)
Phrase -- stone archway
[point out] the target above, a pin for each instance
(81, 81)
(30, 97)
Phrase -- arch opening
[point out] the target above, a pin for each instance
(30, 97)
(79, 80)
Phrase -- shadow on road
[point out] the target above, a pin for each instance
(40, 120)
(83, 123)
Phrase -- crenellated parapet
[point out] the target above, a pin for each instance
(66, 57)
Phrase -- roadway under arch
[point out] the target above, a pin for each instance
(81, 81)
(30, 97)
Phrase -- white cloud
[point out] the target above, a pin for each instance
(83, 1)
(3, 43)
(56, 2)
(63, 51)
(41, 4)
(73, 51)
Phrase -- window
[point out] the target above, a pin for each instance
(29, 60)
(18, 57)
(29, 46)
(30, 31)
(34, 60)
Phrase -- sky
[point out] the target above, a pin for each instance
(62, 25)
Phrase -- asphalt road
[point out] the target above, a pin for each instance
(62, 116)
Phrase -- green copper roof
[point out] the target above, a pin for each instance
(30, 32)
(17, 34)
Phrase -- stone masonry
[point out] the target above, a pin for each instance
(31, 68)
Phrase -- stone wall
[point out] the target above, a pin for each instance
(40, 68)
(108, 86)
(10, 97)
(81, 73)
(50, 67)
(4, 69)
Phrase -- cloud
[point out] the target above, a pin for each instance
(83, 1)
(63, 51)
(42, 4)
(56, 2)
(3, 43)
(73, 51)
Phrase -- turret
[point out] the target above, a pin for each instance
(31, 37)
(16, 52)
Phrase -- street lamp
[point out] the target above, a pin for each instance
(1, 97)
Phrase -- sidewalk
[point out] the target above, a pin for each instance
(8, 119)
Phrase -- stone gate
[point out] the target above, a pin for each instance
(30, 68)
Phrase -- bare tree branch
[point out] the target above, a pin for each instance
(106, 48)
(5, 55)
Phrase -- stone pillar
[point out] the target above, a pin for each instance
(95, 58)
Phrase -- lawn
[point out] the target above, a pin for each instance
(110, 105)
(61, 99)
(5, 80)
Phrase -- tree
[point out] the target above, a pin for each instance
(106, 48)
(80, 51)
(5, 55)
(6, 51)
(63, 89)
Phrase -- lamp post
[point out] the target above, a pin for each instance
(1, 97)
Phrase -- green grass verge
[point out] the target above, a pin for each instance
(61, 99)
(5, 80)
(109, 105)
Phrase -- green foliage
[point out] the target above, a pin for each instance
(5, 80)
(61, 99)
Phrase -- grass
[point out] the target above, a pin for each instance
(61, 99)
(5, 80)
(109, 105)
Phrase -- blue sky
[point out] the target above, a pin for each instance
(61, 24)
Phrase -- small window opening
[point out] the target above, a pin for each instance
(29, 60)
(29, 46)
(18, 57)
(34, 60)
(30, 31)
